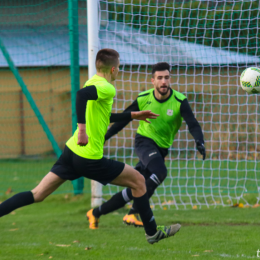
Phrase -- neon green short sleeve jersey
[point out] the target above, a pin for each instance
(164, 128)
(97, 120)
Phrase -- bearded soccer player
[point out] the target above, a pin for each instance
(83, 153)
(152, 141)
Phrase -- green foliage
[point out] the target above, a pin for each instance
(231, 25)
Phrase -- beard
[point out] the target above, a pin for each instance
(163, 90)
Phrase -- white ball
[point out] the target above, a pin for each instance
(250, 80)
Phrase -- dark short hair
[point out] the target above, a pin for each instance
(106, 59)
(160, 66)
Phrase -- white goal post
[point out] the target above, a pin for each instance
(93, 29)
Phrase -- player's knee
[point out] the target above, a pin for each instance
(159, 177)
(140, 182)
(38, 197)
(162, 176)
(158, 169)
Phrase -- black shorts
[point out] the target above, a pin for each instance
(71, 166)
(146, 150)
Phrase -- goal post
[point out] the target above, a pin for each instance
(93, 40)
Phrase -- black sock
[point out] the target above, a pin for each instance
(116, 202)
(17, 201)
(150, 186)
(146, 214)
(133, 210)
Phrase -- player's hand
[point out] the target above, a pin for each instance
(143, 115)
(201, 148)
(82, 139)
(82, 135)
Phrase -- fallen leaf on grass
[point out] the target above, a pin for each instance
(50, 257)
(194, 207)
(13, 224)
(76, 241)
(164, 208)
(256, 205)
(13, 213)
(8, 191)
(208, 251)
(239, 205)
(64, 245)
(40, 254)
(14, 229)
(88, 248)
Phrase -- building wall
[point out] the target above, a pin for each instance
(21, 133)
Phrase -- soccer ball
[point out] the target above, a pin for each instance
(250, 80)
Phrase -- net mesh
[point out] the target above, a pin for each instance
(208, 44)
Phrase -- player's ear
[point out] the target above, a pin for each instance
(112, 70)
(152, 79)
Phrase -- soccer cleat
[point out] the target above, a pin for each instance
(163, 232)
(133, 219)
(93, 221)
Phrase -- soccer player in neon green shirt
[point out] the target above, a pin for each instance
(83, 153)
(152, 141)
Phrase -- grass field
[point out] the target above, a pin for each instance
(213, 182)
(57, 229)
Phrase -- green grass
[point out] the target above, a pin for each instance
(36, 231)
(20, 175)
(213, 181)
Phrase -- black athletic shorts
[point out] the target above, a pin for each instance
(71, 166)
(146, 150)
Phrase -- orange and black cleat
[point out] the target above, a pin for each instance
(93, 221)
(133, 219)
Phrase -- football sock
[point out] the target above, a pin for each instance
(150, 186)
(116, 202)
(159, 172)
(17, 201)
(146, 214)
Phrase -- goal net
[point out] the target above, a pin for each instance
(208, 44)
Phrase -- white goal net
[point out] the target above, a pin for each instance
(208, 44)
